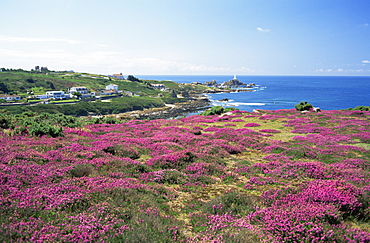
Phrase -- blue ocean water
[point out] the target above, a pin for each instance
(283, 92)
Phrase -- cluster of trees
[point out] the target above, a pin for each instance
(132, 78)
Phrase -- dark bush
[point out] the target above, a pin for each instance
(173, 177)
(122, 151)
(303, 106)
(234, 202)
(40, 129)
(81, 170)
(215, 110)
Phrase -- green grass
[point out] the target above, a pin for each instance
(63, 101)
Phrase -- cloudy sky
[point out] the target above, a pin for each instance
(257, 37)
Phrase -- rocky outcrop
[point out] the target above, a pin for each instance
(172, 111)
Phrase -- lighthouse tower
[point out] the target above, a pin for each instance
(235, 77)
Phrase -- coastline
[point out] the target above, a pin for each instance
(196, 104)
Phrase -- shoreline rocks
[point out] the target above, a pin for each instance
(169, 111)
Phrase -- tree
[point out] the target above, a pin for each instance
(51, 85)
(132, 78)
(30, 80)
(173, 94)
(77, 94)
(4, 88)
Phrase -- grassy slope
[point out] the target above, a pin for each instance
(240, 178)
(23, 80)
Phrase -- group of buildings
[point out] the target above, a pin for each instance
(81, 92)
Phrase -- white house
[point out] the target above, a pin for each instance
(158, 86)
(81, 90)
(41, 97)
(112, 86)
(56, 94)
(117, 76)
(9, 97)
(110, 89)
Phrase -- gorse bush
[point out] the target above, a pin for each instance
(303, 106)
(40, 129)
(217, 110)
(122, 151)
(360, 108)
(38, 124)
(82, 170)
(232, 202)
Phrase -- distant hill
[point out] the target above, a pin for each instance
(146, 92)
(21, 82)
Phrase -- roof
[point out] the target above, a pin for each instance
(81, 87)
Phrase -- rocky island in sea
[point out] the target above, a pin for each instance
(232, 83)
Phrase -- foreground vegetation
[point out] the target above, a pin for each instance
(114, 106)
(273, 176)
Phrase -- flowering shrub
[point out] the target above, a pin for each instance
(252, 125)
(269, 131)
(299, 178)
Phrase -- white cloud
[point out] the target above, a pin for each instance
(340, 70)
(366, 61)
(106, 62)
(262, 30)
(12, 39)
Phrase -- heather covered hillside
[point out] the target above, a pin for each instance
(273, 176)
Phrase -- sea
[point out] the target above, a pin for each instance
(284, 92)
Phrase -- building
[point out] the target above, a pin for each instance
(41, 97)
(110, 90)
(9, 97)
(158, 86)
(117, 76)
(112, 86)
(81, 90)
(57, 95)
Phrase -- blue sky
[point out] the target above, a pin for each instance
(256, 37)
